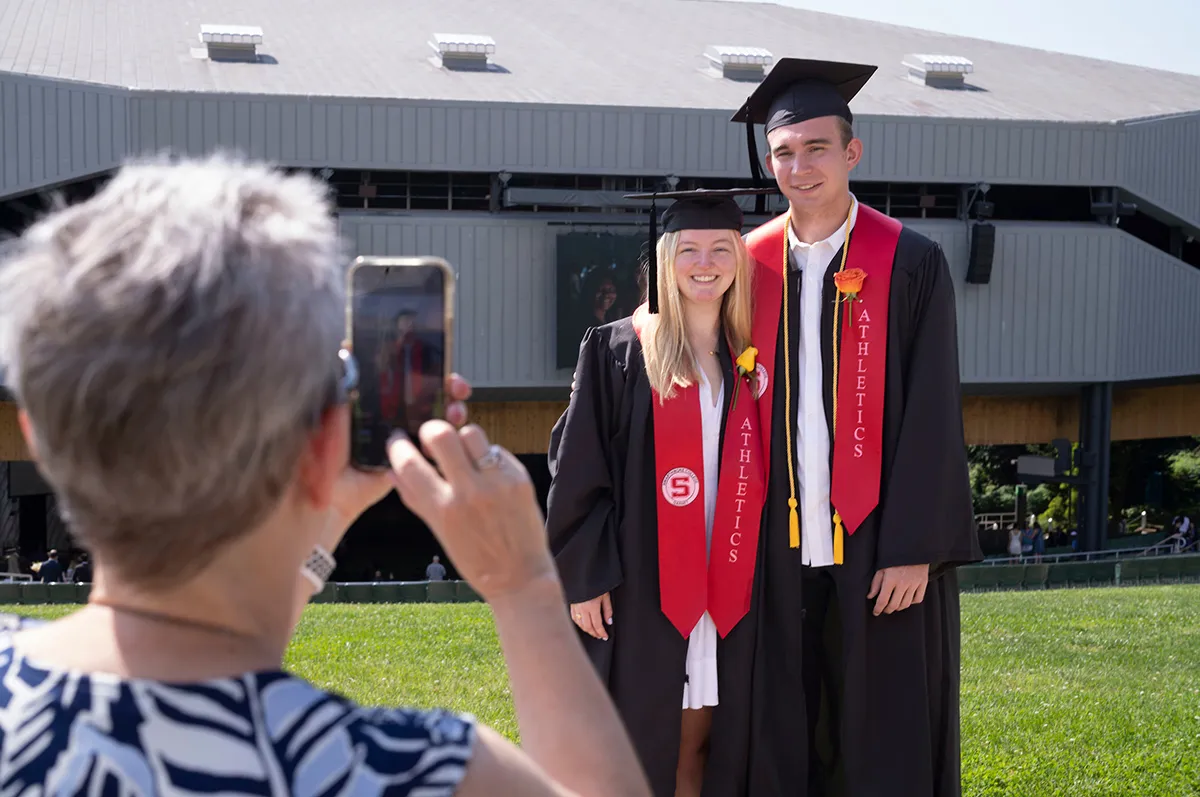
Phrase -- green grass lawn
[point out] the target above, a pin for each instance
(1090, 692)
(1086, 693)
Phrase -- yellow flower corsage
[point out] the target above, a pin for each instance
(745, 367)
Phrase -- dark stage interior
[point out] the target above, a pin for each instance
(393, 542)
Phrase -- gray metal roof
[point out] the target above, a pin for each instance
(633, 53)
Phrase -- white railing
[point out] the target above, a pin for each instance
(1171, 545)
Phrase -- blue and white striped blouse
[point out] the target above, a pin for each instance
(268, 733)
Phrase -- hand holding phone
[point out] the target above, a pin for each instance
(399, 318)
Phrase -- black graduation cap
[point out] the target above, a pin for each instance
(701, 209)
(796, 90)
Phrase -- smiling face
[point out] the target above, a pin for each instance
(812, 161)
(606, 296)
(705, 264)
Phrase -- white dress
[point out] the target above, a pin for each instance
(700, 688)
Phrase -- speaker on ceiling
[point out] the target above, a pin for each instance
(983, 249)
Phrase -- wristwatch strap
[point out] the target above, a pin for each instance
(318, 567)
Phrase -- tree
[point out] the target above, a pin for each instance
(1183, 471)
(992, 477)
(1138, 464)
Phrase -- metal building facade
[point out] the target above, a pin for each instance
(1067, 303)
(52, 131)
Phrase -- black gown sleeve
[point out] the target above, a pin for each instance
(581, 514)
(927, 513)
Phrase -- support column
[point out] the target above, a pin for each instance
(1095, 438)
(1104, 465)
(1087, 466)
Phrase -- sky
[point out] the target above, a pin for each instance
(1163, 34)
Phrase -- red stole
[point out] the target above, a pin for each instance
(858, 425)
(398, 385)
(691, 581)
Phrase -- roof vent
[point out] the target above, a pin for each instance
(938, 71)
(739, 63)
(231, 42)
(463, 51)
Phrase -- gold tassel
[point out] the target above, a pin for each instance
(837, 539)
(793, 524)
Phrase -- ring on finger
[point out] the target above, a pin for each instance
(489, 460)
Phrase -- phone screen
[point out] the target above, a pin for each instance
(400, 339)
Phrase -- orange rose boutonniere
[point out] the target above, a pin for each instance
(745, 364)
(850, 282)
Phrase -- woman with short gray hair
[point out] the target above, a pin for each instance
(174, 345)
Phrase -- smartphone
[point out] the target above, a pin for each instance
(399, 320)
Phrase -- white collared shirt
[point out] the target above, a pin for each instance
(812, 431)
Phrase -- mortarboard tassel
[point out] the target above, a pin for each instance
(652, 261)
(756, 171)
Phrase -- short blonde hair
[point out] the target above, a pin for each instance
(172, 340)
(670, 361)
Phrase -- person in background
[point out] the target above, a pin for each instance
(83, 571)
(1027, 540)
(206, 300)
(51, 570)
(1039, 542)
(1014, 541)
(436, 571)
(1182, 526)
(597, 298)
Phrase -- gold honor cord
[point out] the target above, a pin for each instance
(793, 517)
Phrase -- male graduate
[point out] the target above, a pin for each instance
(856, 669)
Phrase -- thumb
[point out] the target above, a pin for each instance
(606, 608)
(876, 584)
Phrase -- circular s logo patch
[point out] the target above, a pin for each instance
(760, 380)
(680, 486)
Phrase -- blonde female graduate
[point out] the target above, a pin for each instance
(656, 501)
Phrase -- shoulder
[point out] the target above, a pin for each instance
(314, 737)
(11, 624)
(917, 253)
(427, 751)
(617, 341)
(769, 231)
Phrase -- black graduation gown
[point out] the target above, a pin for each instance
(601, 522)
(899, 699)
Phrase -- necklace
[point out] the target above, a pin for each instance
(163, 617)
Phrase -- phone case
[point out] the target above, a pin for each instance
(448, 283)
